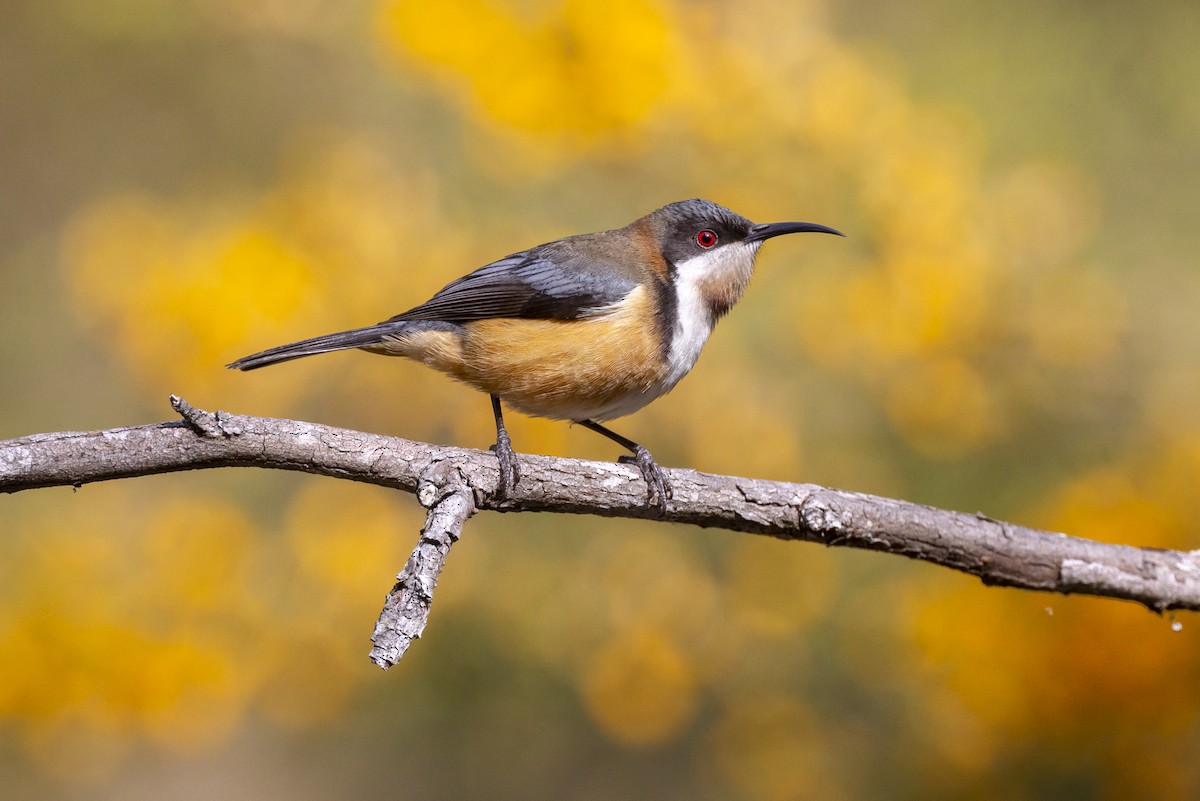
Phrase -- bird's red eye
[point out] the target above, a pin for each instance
(706, 239)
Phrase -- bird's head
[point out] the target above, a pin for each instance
(711, 249)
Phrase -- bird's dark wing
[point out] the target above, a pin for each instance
(549, 282)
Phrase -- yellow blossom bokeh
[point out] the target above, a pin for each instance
(579, 68)
(640, 688)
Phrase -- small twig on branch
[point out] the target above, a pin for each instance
(996, 552)
(447, 496)
(206, 424)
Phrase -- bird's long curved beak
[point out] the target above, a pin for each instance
(767, 230)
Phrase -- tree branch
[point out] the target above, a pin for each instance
(446, 494)
(453, 482)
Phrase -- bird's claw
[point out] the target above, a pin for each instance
(658, 488)
(510, 473)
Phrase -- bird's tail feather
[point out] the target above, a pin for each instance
(343, 340)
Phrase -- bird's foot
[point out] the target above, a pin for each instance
(658, 488)
(510, 473)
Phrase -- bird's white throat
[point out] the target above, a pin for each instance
(705, 286)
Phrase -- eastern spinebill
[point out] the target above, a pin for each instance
(587, 328)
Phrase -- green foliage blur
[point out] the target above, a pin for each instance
(1010, 327)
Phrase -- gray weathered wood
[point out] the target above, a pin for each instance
(463, 480)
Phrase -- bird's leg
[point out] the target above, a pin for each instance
(657, 486)
(510, 474)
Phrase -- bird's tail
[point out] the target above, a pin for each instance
(343, 340)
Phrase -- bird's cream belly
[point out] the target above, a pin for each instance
(596, 368)
(568, 370)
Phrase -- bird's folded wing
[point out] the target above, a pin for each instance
(542, 283)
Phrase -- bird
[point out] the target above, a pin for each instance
(587, 328)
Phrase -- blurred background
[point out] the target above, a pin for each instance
(1010, 327)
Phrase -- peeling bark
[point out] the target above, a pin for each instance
(452, 483)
